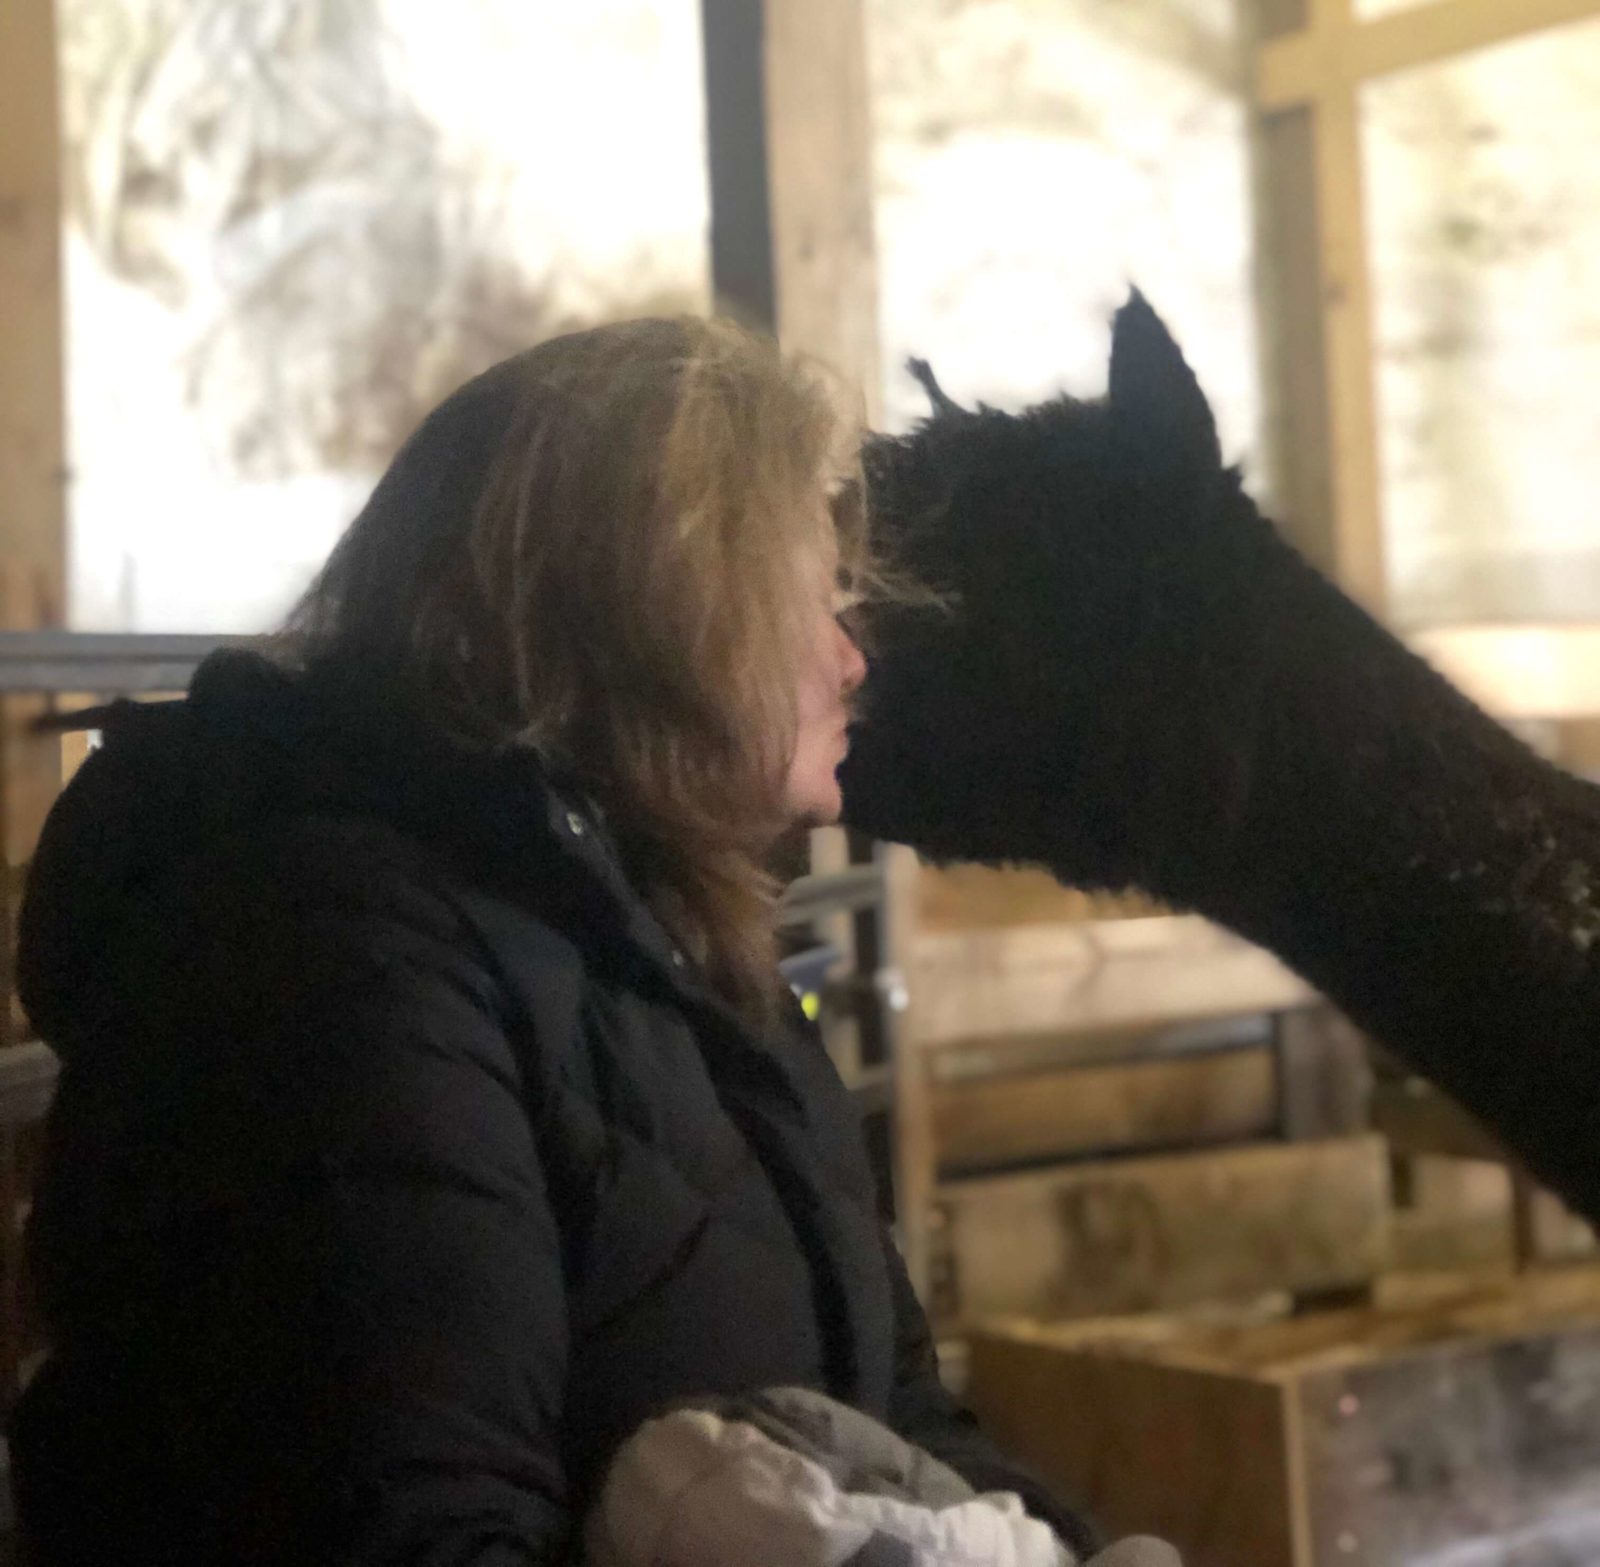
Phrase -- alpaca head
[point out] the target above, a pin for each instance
(1059, 537)
(1066, 475)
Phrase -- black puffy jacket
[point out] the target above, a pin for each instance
(400, 1165)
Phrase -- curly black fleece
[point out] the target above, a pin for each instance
(1138, 683)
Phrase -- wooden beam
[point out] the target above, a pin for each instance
(1128, 1235)
(1055, 980)
(1032, 1117)
(1294, 70)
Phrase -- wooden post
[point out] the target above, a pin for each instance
(32, 436)
(743, 279)
(792, 240)
(819, 147)
(1317, 313)
(32, 433)
(793, 249)
(32, 525)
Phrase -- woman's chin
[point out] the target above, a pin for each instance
(821, 806)
(819, 816)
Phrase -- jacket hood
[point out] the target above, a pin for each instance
(252, 746)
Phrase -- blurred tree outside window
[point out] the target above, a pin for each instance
(294, 225)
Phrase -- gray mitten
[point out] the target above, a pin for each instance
(1138, 1550)
(790, 1478)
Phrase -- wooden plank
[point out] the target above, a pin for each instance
(1299, 68)
(1037, 1116)
(1138, 1234)
(1009, 1054)
(1273, 1343)
(1106, 975)
(1188, 1455)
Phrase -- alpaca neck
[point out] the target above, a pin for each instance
(1426, 870)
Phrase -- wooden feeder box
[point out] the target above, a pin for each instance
(1462, 1434)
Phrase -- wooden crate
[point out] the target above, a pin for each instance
(1124, 1235)
(1465, 1433)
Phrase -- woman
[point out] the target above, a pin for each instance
(431, 1111)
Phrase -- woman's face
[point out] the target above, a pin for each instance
(831, 671)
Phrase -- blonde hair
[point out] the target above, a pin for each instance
(597, 550)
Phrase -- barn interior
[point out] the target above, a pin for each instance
(1197, 1248)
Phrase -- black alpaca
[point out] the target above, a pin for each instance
(1138, 683)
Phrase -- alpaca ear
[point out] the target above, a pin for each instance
(943, 403)
(1155, 396)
